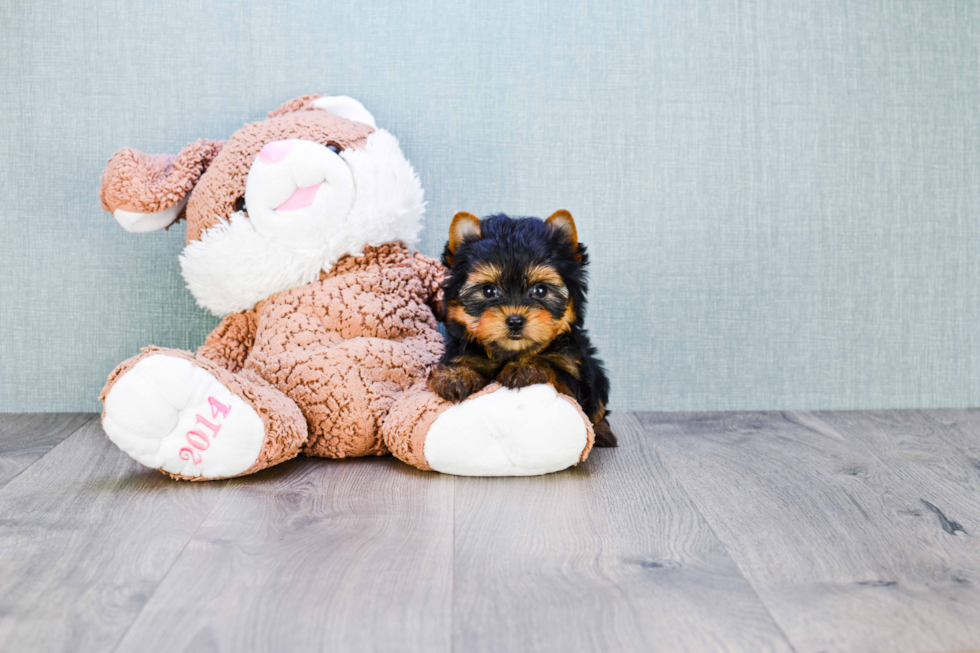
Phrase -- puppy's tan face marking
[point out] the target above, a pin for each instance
(541, 328)
(567, 319)
(535, 299)
(543, 274)
(492, 331)
(458, 314)
(483, 273)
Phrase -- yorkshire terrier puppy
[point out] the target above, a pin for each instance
(515, 304)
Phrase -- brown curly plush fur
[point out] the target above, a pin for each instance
(334, 368)
(146, 183)
(217, 193)
(339, 352)
(346, 347)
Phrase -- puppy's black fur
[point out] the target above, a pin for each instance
(515, 305)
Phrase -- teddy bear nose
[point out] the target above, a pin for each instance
(275, 151)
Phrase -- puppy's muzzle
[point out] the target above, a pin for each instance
(515, 323)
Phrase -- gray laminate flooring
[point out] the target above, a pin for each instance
(752, 532)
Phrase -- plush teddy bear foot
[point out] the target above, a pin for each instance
(495, 432)
(505, 432)
(195, 420)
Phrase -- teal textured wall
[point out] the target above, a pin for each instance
(782, 198)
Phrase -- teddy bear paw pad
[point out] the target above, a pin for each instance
(170, 414)
(507, 432)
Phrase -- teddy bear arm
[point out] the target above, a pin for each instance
(432, 273)
(495, 432)
(231, 341)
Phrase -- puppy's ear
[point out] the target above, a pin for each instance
(465, 226)
(561, 223)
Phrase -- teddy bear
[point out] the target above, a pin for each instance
(299, 235)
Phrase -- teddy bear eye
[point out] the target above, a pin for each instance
(240, 204)
(333, 148)
(489, 291)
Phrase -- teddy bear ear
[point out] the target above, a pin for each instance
(346, 107)
(148, 192)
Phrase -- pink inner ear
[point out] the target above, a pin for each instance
(275, 151)
(301, 198)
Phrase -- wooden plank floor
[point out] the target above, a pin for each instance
(703, 532)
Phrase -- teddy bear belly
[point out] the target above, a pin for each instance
(345, 389)
(389, 304)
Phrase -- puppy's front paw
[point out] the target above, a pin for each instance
(454, 383)
(520, 374)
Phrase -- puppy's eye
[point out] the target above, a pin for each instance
(489, 291)
(539, 291)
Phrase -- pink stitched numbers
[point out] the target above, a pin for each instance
(214, 427)
(198, 439)
(218, 407)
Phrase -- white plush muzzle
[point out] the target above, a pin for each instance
(362, 197)
(297, 192)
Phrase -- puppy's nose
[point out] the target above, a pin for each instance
(515, 322)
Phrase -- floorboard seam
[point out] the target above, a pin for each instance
(163, 578)
(91, 419)
(694, 502)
